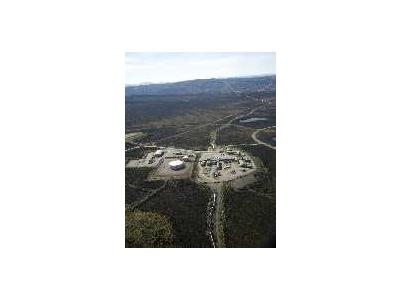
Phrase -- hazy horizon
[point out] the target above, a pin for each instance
(166, 82)
(167, 67)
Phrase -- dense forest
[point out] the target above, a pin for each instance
(184, 204)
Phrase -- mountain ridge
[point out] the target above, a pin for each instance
(206, 86)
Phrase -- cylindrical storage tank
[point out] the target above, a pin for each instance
(159, 153)
(176, 164)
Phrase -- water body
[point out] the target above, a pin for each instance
(252, 120)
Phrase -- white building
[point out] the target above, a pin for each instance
(176, 164)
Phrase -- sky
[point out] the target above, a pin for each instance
(155, 67)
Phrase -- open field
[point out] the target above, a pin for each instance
(131, 137)
(234, 135)
(180, 111)
(196, 139)
(154, 134)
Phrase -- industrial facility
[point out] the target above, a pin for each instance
(215, 165)
(224, 165)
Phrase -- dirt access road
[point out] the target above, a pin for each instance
(216, 230)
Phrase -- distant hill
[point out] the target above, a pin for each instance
(206, 86)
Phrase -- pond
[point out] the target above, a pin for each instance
(253, 120)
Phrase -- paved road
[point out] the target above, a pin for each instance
(254, 136)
